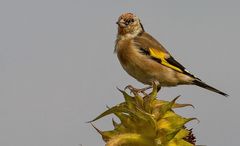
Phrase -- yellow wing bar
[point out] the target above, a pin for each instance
(162, 56)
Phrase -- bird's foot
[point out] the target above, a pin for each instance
(157, 85)
(136, 90)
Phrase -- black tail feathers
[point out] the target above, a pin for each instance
(204, 85)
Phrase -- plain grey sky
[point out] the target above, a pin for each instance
(58, 70)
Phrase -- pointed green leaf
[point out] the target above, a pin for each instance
(161, 110)
(126, 121)
(172, 135)
(139, 101)
(107, 135)
(118, 108)
(177, 105)
(158, 103)
(129, 99)
(146, 116)
(182, 134)
(100, 132)
(181, 142)
(149, 99)
(171, 122)
(153, 94)
(130, 139)
(115, 124)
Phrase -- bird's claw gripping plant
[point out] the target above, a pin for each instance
(147, 121)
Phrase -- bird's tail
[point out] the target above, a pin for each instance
(204, 85)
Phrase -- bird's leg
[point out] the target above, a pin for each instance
(157, 84)
(158, 88)
(135, 90)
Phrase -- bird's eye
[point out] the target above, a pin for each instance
(129, 21)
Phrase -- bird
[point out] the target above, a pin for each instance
(146, 60)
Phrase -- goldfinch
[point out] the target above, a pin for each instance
(145, 59)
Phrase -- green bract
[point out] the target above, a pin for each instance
(147, 121)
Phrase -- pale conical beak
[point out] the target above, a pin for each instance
(121, 23)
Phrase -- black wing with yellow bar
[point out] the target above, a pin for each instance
(165, 59)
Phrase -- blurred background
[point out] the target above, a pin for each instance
(58, 70)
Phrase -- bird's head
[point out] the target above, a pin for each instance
(129, 26)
